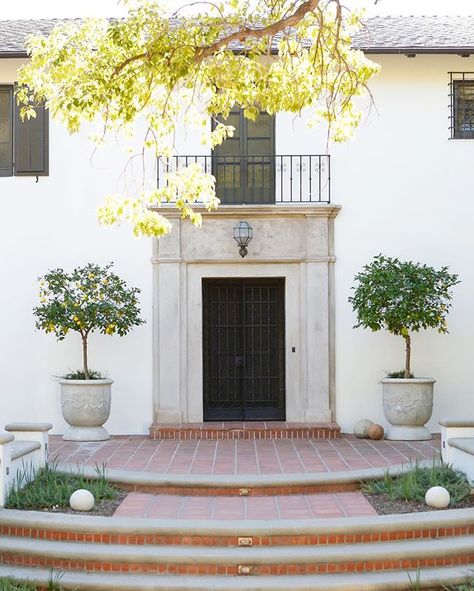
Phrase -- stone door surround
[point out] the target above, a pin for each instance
(295, 242)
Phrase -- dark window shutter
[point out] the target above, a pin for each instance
(32, 143)
(6, 131)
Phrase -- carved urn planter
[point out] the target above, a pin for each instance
(408, 405)
(85, 405)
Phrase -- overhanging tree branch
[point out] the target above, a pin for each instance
(153, 67)
(244, 33)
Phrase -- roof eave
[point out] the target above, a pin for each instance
(416, 50)
(12, 54)
(367, 50)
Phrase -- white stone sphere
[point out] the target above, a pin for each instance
(82, 500)
(361, 428)
(437, 496)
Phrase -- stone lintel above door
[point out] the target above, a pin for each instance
(281, 232)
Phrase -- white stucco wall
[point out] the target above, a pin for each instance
(52, 224)
(405, 191)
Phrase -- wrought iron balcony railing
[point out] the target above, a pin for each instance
(261, 179)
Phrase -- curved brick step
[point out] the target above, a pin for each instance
(245, 508)
(143, 554)
(144, 531)
(430, 578)
(276, 560)
(240, 484)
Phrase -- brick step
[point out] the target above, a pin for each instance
(245, 508)
(257, 561)
(244, 488)
(239, 484)
(161, 532)
(245, 430)
(430, 579)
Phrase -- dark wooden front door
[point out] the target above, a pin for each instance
(244, 349)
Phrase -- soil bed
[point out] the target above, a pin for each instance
(384, 505)
(105, 508)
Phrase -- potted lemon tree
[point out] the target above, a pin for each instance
(89, 299)
(403, 298)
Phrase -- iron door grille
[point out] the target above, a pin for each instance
(244, 349)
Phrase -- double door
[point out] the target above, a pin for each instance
(244, 349)
(244, 164)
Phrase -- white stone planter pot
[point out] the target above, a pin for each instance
(86, 406)
(407, 405)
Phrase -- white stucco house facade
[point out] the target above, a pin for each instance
(268, 336)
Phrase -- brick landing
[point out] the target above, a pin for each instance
(246, 457)
(245, 430)
(345, 504)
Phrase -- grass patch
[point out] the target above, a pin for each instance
(469, 586)
(50, 489)
(13, 585)
(412, 485)
(415, 584)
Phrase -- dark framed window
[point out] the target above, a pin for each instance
(24, 145)
(462, 105)
(244, 165)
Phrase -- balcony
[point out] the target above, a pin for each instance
(269, 179)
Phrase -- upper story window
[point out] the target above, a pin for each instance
(24, 145)
(462, 105)
(244, 165)
(248, 171)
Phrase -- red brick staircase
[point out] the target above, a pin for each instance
(103, 553)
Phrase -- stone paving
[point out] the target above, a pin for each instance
(245, 457)
(264, 456)
(343, 504)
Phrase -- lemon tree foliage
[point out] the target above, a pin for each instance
(402, 297)
(90, 298)
(191, 66)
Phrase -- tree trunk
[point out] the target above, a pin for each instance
(84, 357)
(407, 372)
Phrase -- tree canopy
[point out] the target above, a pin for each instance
(402, 297)
(192, 66)
(88, 299)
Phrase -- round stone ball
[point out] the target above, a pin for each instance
(82, 500)
(361, 428)
(438, 497)
(375, 431)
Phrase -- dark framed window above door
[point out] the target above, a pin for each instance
(244, 165)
